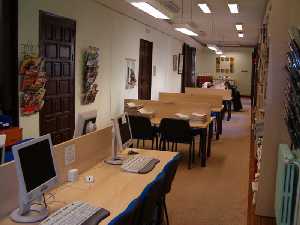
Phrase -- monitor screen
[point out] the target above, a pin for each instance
(124, 129)
(37, 164)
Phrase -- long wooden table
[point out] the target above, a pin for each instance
(113, 188)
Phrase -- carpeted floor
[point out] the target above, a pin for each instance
(217, 194)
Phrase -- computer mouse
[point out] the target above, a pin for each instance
(131, 152)
(89, 179)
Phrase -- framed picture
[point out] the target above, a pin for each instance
(130, 74)
(175, 62)
(180, 63)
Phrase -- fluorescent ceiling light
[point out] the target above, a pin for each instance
(149, 9)
(219, 52)
(212, 47)
(239, 27)
(186, 31)
(204, 8)
(234, 8)
(223, 56)
(241, 35)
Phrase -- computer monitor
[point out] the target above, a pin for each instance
(86, 123)
(121, 138)
(37, 174)
(123, 131)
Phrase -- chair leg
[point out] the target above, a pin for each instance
(176, 146)
(152, 143)
(193, 150)
(156, 142)
(173, 146)
(190, 157)
(168, 145)
(138, 143)
(166, 210)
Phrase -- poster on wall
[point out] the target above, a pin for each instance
(175, 62)
(130, 73)
(225, 65)
(90, 70)
(180, 63)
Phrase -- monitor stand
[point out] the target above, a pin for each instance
(114, 160)
(36, 213)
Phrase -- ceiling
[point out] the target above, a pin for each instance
(216, 28)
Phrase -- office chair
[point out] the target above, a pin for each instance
(177, 131)
(2, 146)
(151, 199)
(130, 216)
(170, 171)
(142, 129)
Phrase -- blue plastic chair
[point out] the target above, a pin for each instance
(151, 199)
(170, 171)
(130, 216)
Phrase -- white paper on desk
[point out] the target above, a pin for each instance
(199, 115)
(182, 116)
(145, 112)
(131, 105)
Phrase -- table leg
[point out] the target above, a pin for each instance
(210, 135)
(203, 137)
(219, 125)
(229, 110)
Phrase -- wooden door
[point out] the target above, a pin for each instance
(57, 46)
(145, 69)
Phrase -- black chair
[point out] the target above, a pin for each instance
(142, 129)
(177, 131)
(151, 199)
(129, 216)
(170, 171)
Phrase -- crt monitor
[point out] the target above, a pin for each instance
(37, 174)
(86, 123)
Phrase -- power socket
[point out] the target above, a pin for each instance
(70, 154)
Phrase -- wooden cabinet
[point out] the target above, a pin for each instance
(13, 135)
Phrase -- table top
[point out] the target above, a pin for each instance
(113, 188)
(193, 124)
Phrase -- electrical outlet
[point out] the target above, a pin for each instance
(70, 153)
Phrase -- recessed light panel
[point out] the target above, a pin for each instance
(234, 8)
(241, 35)
(149, 9)
(204, 8)
(239, 27)
(186, 31)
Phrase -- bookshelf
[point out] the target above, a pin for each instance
(292, 90)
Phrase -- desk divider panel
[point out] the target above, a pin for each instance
(226, 94)
(90, 150)
(216, 101)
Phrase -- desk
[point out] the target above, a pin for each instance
(206, 133)
(113, 189)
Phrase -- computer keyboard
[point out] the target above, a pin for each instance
(77, 213)
(139, 164)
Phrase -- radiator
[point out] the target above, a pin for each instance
(287, 188)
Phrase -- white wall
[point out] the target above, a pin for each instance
(206, 64)
(118, 38)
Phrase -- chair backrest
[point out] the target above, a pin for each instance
(175, 130)
(150, 198)
(170, 171)
(141, 127)
(130, 216)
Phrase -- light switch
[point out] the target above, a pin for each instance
(70, 154)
